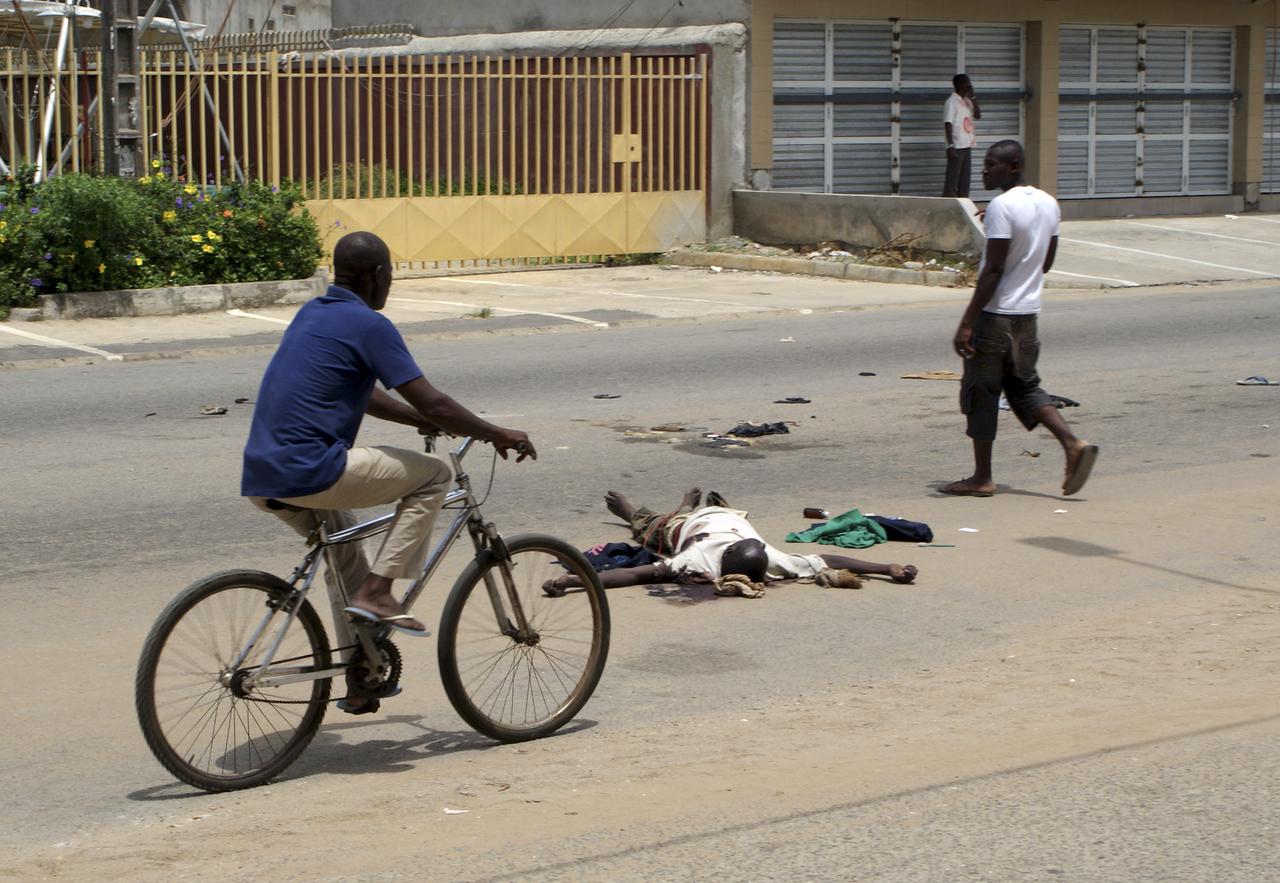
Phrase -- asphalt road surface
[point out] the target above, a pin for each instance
(1084, 694)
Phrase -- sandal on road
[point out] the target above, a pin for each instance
(962, 488)
(1078, 473)
(1257, 380)
(396, 621)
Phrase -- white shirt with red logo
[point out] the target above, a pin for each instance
(959, 113)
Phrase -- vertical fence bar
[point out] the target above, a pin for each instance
(243, 84)
(273, 115)
(704, 111)
(435, 125)
(343, 129)
(524, 127)
(500, 114)
(101, 139)
(577, 128)
(422, 127)
(649, 142)
(475, 125)
(448, 125)
(364, 82)
(313, 83)
(406, 174)
(328, 168)
(260, 117)
(563, 112)
(395, 125)
(285, 79)
(488, 128)
(538, 111)
(382, 120)
(626, 123)
(186, 120)
(664, 112)
(12, 140)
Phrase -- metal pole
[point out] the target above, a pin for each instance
(55, 94)
(120, 84)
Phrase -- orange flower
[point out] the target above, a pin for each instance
(227, 213)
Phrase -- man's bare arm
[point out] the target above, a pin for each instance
(619, 577)
(992, 270)
(1051, 254)
(439, 410)
(388, 407)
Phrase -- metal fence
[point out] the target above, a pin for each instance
(50, 116)
(559, 156)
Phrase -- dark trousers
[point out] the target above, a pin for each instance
(1007, 351)
(958, 173)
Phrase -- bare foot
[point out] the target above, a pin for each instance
(903, 574)
(692, 498)
(619, 505)
(967, 487)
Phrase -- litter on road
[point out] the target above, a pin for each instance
(932, 375)
(1257, 380)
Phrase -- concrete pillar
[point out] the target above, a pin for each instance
(1042, 107)
(120, 67)
(1250, 110)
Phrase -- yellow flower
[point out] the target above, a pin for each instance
(144, 180)
(169, 216)
(190, 189)
(2, 239)
(102, 268)
(88, 243)
(196, 237)
(155, 164)
(138, 261)
(213, 237)
(3, 224)
(207, 249)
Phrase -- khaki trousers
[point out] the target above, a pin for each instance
(373, 477)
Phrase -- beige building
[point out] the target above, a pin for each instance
(1113, 98)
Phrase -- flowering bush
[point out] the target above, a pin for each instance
(91, 233)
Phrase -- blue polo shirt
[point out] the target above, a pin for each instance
(315, 393)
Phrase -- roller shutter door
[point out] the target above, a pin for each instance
(1144, 111)
(1271, 118)
(848, 119)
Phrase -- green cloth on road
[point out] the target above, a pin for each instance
(852, 530)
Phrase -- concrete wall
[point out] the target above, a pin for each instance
(253, 15)
(442, 19)
(777, 218)
(1042, 19)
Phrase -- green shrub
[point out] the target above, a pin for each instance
(92, 233)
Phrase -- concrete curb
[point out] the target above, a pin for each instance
(137, 302)
(807, 267)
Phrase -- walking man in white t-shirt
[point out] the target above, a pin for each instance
(997, 334)
(958, 118)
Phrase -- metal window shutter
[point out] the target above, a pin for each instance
(930, 54)
(862, 121)
(1166, 56)
(799, 52)
(1271, 120)
(1118, 55)
(1116, 118)
(1115, 168)
(862, 53)
(1162, 167)
(993, 55)
(1073, 118)
(1073, 168)
(923, 119)
(1211, 57)
(923, 169)
(1075, 55)
(798, 166)
(1208, 166)
(861, 168)
(792, 121)
(1164, 117)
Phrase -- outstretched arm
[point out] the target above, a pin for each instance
(896, 572)
(617, 578)
(439, 410)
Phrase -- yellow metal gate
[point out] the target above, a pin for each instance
(450, 158)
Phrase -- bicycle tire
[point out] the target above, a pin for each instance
(183, 665)
(472, 647)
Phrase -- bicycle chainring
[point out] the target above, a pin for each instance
(379, 679)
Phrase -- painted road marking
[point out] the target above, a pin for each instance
(1171, 257)
(1263, 220)
(690, 300)
(1125, 282)
(1203, 233)
(451, 303)
(241, 314)
(110, 357)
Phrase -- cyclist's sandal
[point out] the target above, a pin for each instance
(396, 621)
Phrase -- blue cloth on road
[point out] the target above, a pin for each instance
(615, 555)
(902, 531)
(315, 392)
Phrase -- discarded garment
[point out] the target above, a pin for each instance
(614, 555)
(752, 430)
(852, 530)
(900, 530)
(793, 400)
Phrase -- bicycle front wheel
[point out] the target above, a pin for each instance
(200, 718)
(518, 664)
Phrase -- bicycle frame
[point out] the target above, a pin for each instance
(483, 535)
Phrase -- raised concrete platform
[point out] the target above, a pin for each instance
(774, 217)
(140, 302)
(809, 267)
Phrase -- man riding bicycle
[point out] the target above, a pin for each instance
(301, 462)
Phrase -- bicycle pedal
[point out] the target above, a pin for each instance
(369, 707)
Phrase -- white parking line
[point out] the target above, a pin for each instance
(110, 357)
(1261, 220)
(1203, 233)
(452, 303)
(691, 300)
(241, 314)
(1172, 257)
(1124, 282)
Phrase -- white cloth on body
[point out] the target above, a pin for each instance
(724, 527)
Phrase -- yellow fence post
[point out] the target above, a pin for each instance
(273, 117)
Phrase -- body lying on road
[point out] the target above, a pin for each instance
(717, 544)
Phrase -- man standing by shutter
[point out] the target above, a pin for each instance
(959, 115)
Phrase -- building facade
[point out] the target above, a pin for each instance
(252, 16)
(1115, 99)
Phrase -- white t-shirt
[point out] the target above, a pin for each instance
(723, 528)
(1029, 219)
(959, 113)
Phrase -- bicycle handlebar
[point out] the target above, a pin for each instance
(429, 445)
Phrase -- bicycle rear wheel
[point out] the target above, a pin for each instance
(513, 687)
(198, 717)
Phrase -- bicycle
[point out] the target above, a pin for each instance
(234, 677)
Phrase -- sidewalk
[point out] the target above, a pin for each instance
(1093, 254)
